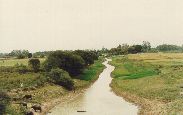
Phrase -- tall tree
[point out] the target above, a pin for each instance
(146, 46)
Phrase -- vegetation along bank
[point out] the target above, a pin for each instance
(151, 80)
(35, 84)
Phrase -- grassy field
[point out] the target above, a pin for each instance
(12, 62)
(16, 85)
(154, 81)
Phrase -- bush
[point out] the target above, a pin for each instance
(34, 64)
(67, 61)
(67, 82)
(61, 77)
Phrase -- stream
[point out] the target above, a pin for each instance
(97, 100)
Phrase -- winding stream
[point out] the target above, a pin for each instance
(97, 100)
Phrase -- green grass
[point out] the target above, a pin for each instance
(136, 75)
(130, 69)
(12, 62)
(92, 72)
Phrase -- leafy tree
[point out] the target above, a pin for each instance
(62, 78)
(30, 55)
(124, 49)
(135, 49)
(34, 64)
(20, 54)
(114, 51)
(104, 50)
(88, 56)
(120, 50)
(146, 46)
(166, 47)
(42, 54)
(68, 61)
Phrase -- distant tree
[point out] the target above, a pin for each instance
(153, 50)
(34, 64)
(68, 61)
(30, 55)
(135, 49)
(20, 54)
(167, 47)
(88, 56)
(104, 50)
(25, 53)
(124, 49)
(42, 56)
(113, 51)
(119, 50)
(146, 46)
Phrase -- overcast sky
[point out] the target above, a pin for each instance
(88, 24)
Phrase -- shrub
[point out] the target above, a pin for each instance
(62, 78)
(67, 82)
(34, 64)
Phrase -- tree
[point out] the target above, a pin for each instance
(88, 56)
(135, 49)
(20, 54)
(166, 47)
(68, 61)
(34, 64)
(62, 78)
(124, 49)
(146, 46)
(30, 55)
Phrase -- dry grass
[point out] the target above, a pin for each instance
(12, 62)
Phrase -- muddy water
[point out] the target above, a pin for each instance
(97, 100)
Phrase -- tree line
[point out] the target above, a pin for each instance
(145, 47)
(121, 49)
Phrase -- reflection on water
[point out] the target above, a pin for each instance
(97, 100)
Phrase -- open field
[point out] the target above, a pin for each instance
(16, 85)
(154, 81)
(12, 62)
